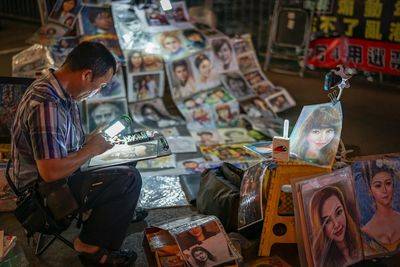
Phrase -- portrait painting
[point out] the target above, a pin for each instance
(227, 114)
(250, 203)
(62, 48)
(96, 19)
(48, 34)
(153, 114)
(145, 86)
(329, 220)
(192, 165)
(181, 78)
(316, 135)
(234, 135)
(377, 185)
(172, 45)
(224, 55)
(256, 107)
(65, 12)
(114, 89)
(194, 39)
(179, 12)
(216, 96)
(204, 71)
(247, 62)
(206, 137)
(103, 112)
(237, 85)
(266, 89)
(255, 77)
(200, 117)
(243, 44)
(155, 16)
(280, 101)
(204, 244)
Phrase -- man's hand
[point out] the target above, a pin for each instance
(97, 144)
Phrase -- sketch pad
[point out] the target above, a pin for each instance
(137, 146)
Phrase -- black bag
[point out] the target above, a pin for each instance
(219, 194)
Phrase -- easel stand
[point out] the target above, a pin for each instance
(279, 228)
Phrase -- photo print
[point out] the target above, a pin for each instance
(316, 135)
(153, 114)
(377, 185)
(250, 203)
(62, 48)
(204, 245)
(65, 12)
(114, 89)
(179, 12)
(227, 114)
(237, 85)
(158, 163)
(172, 45)
(141, 61)
(256, 107)
(155, 16)
(181, 79)
(328, 219)
(255, 77)
(234, 135)
(280, 101)
(200, 117)
(228, 153)
(181, 144)
(224, 56)
(172, 131)
(96, 19)
(205, 74)
(194, 39)
(145, 86)
(243, 44)
(206, 137)
(48, 34)
(194, 165)
(218, 95)
(266, 89)
(247, 62)
(103, 112)
(108, 40)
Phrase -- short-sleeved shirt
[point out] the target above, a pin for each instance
(47, 126)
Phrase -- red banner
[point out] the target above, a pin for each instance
(374, 56)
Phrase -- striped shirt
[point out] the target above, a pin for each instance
(47, 126)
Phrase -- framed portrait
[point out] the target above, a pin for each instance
(237, 85)
(377, 186)
(247, 62)
(65, 12)
(217, 95)
(103, 112)
(234, 135)
(115, 89)
(328, 219)
(153, 114)
(181, 79)
(204, 71)
(316, 135)
(223, 54)
(142, 61)
(206, 137)
(145, 86)
(280, 101)
(251, 203)
(96, 19)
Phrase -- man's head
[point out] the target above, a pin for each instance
(93, 67)
(102, 20)
(181, 70)
(104, 113)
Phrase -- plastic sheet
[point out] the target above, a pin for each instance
(31, 61)
(161, 192)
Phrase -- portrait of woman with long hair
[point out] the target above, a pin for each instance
(335, 237)
(316, 135)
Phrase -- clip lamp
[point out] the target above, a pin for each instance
(165, 5)
(117, 126)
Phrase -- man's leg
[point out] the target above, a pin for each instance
(112, 194)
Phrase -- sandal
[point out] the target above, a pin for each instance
(118, 258)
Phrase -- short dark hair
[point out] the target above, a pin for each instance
(93, 56)
(179, 63)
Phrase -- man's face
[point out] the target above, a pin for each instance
(103, 21)
(182, 73)
(104, 114)
(93, 86)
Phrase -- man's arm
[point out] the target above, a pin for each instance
(54, 169)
